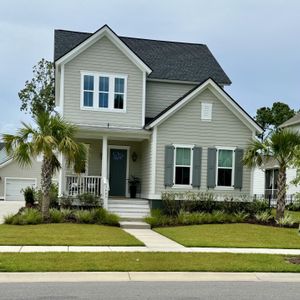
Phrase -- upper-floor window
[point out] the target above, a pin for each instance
(225, 167)
(105, 92)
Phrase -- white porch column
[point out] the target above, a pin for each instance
(104, 180)
(61, 175)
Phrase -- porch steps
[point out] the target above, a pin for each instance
(134, 225)
(129, 209)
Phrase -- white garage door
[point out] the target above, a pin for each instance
(14, 187)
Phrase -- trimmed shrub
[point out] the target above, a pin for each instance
(207, 202)
(28, 193)
(102, 216)
(38, 195)
(83, 216)
(263, 217)
(56, 216)
(286, 221)
(88, 199)
(295, 206)
(8, 219)
(66, 202)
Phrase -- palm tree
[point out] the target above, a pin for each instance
(49, 137)
(282, 146)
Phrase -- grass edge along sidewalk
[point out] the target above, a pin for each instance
(138, 261)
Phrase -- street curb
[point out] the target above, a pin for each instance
(146, 276)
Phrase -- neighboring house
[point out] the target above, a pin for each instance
(153, 109)
(265, 179)
(13, 178)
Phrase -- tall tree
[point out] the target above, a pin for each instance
(38, 94)
(50, 136)
(282, 146)
(270, 118)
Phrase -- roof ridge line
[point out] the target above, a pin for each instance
(163, 41)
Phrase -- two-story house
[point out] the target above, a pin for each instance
(153, 109)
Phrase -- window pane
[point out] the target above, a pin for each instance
(103, 84)
(119, 101)
(119, 85)
(88, 83)
(183, 156)
(88, 99)
(225, 158)
(224, 177)
(182, 175)
(103, 99)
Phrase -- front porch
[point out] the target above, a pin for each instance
(111, 162)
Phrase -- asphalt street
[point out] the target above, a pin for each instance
(151, 290)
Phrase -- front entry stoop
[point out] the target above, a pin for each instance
(134, 225)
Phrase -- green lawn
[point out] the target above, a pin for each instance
(66, 234)
(213, 262)
(233, 235)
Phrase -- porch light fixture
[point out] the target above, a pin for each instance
(134, 156)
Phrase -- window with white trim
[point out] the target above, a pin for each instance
(225, 167)
(183, 165)
(105, 92)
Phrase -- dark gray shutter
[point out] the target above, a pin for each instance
(238, 168)
(211, 167)
(169, 165)
(197, 158)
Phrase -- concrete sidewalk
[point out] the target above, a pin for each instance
(31, 249)
(146, 276)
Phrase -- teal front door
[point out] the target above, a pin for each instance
(117, 172)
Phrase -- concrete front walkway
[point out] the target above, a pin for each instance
(154, 240)
(146, 276)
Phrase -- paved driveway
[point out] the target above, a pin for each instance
(9, 207)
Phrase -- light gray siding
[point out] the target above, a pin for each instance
(146, 167)
(159, 95)
(186, 127)
(14, 170)
(103, 56)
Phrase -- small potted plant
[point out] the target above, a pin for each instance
(133, 184)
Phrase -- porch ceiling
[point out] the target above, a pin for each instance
(87, 131)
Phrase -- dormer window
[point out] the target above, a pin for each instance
(103, 92)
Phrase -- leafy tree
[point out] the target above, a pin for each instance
(38, 94)
(283, 146)
(270, 118)
(49, 137)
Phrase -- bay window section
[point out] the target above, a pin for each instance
(183, 166)
(88, 90)
(225, 164)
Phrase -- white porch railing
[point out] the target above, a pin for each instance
(77, 185)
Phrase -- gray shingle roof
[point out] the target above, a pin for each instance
(292, 121)
(168, 60)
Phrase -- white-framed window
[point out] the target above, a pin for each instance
(104, 92)
(206, 111)
(225, 167)
(183, 159)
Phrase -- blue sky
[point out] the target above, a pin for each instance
(256, 42)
